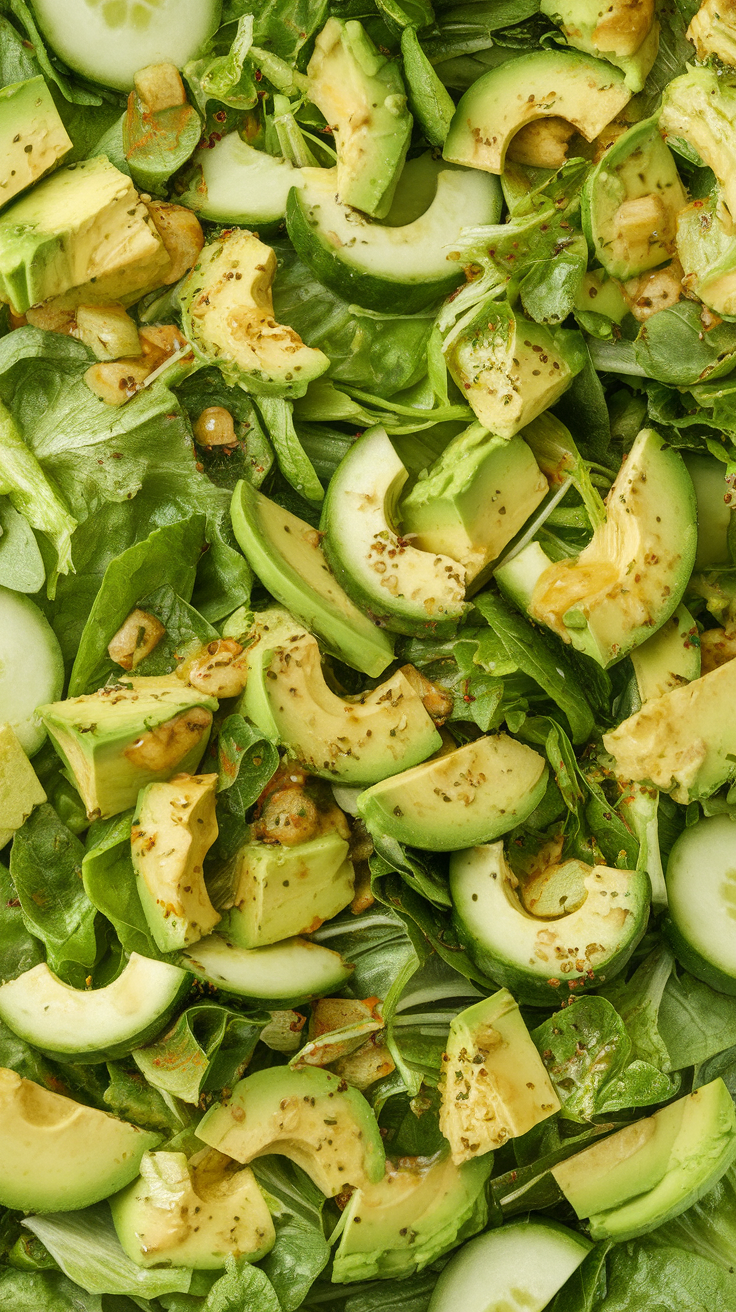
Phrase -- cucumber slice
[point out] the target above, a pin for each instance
(517, 1268)
(108, 42)
(31, 667)
(97, 1024)
(234, 183)
(291, 971)
(701, 889)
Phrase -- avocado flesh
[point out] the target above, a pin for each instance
(706, 246)
(712, 32)
(194, 1213)
(474, 499)
(84, 223)
(32, 136)
(280, 891)
(227, 309)
(361, 741)
(699, 109)
(683, 742)
(309, 1116)
(286, 554)
(294, 970)
(715, 515)
(629, 579)
(126, 735)
(59, 1156)
(669, 658)
(547, 83)
(467, 796)
(362, 96)
(416, 1213)
(173, 829)
(494, 1085)
(631, 202)
(626, 37)
(20, 787)
(510, 369)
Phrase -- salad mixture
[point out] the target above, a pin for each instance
(367, 637)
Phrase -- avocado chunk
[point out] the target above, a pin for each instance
(510, 369)
(174, 828)
(227, 309)
(421, 1209)
(715, 515)
(536, 957)
(631, 201)
(402, 265)
(357, 741)
(284, 891)
(494, 1085)
(287, 556)
(713, 32)
(91, 1025)
(466, 796)
(396, 583)
(682, 742)
(194, 1213)
(308, 1115)
(361, 94)
(58, 1155)
(706, 247)
(232, 182)
(629, 579)
(32, 134)
(126, 735)
(698, 118)
(474, 499)
(514, 1267)
(626, 35)
(545, 84)
(83, 224)
(292, 971)
(669, 658)
(653, 1170)
(20, 787)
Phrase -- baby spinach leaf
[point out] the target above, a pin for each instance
(294, 463)
(586, 1286)
(665, 1280)
(207, 1047)
(186, 631)
(110, 884)
(246, 761)
(425, 872)
(695, 1021)
(638, 1001)
(675, 346)
(708, 1228)
(19, 949)
(301, 1251)
(129, 1096)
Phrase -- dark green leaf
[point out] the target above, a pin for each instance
(19, 949)
(46, 867)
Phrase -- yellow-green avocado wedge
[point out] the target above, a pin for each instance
(653, 1170)
(310, 1116)
(59, 1156)
(32, 136)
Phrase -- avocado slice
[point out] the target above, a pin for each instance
(280, 891)
(126, 735)
(361, 93)
(287, 556)
(669, 658)
(547, 83)
(32, 136)
(232, 182)
(494, 1085)
(538, 958)
(465, 796)
(58, 1155)
(83, 224)
(288, 972)
(421, 1209)
(653, 1170)
(227, 313)
(93, 1025)
(20, 787)
(682, 742)
(195, 1213)
(697, 119)
(474, 499)
(631, 201)
(706, 247)
(357, 741)
(510, 369)
(397, 584)
(308, 1115)
(173, 829)
(629, 579)
(624, 34)
(400, 266)
(715, 515)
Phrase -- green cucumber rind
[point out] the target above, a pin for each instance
(695, 962)
(392, 620)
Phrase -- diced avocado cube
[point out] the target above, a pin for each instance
(83, 224)
(494, 1085)
(32, 136)
(474, 499)
(174, 827)
(20, 788)
(706, 246)
(713, 32)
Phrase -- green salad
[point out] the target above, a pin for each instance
(367, 656)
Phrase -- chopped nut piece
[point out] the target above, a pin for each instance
(135, 639)
(654, 291)
(215, 427)
(221, 670)
(159, 86)
(437, 701)
(116, 381)
(289, 817)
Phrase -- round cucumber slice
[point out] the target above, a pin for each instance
(701, 888)
(31, 667)
(291, 971)
(234, 183)
(517, 1268)
(109, 40)
(96, 1024)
